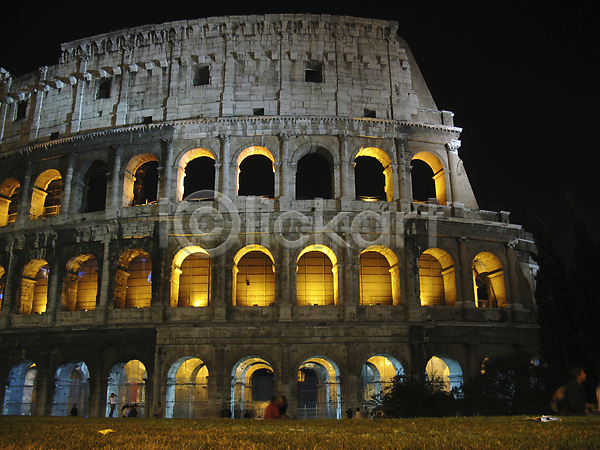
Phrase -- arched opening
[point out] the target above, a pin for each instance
(128, 382)
(247, 400)
(20, 393)
(317, 277)
(436, 278)
(46, 195)
(190, 278)
(34, 287)
(318, 389)
(9, 201)
(488, 281)
(313, 177)
(134, 280)
(187, 389)
(140, 185)
(94, 193)
(378, 374)
(445, 372)
(256, 172)
(253, 277)
(421, 178)
(373, 175)
(379, 277)
(71, 387)
(2, 285)
(80, 286)
(196, 173)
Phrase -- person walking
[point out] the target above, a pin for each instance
(272, 411)
(112, 400)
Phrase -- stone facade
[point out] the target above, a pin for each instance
(230, 89)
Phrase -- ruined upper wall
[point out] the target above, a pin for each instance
(254, 64)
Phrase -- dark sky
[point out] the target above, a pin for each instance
(519, 77)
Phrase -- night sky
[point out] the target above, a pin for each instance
(519, 77)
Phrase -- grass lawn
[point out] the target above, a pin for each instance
(28, 433)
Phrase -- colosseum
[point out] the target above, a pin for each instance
(208, 212)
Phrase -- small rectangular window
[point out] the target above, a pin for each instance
(104, 88)
(370, 113)
(147, 120)
(54, 136)
(258, 111)
(314, 72)
(21, 110)
(201, 75)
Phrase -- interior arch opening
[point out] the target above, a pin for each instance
(187, 389)
(256, 172)
(94, 193)
(488, 281)
(191, 278)
(248, 401)
(254, 277)
(437, 278)
(379, 277)
(445, 372)
(34, 287)
(46, 195)
(80, 286)
(314, 177)
(20, 394)
(378, 373)
(141, 180)
(134, 280)
(369, 179)
(318, 389)
(128, 382)
(71, 388)
(422, 178)
(316, 277)
(9, 201)
(198, 176)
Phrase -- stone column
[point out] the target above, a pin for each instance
(453, 161)
(66, 197)
(404, 175)
(226, 187)
(116, 205)
(284, 174)
(8, 300)
(466, 275)
(54, 293)
(513, 265)
(346, 177)
(100, 314)
(25, 199)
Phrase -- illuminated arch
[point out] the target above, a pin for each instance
(253, 277)
(386, 164)
(317, 276)
(34, 287)
(9, 201)
(446, 371)
(379, 276)
(187, 389)
(378, 373)
(80, 286)
(133, 284)
(251, 386)
(130, 196)
(190, 277)
(318, 389)
(438, 174)
(71, 387)
(46, 194)
(437, 279)
(242, 185)
(488, 281)
(128, 382)
(20, 393)
(187, 157)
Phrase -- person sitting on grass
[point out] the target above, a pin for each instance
(133, 411)
(574, 403)
(272, 411)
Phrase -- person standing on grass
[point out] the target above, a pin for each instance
(113, 404)
(349, 413)
(574, 401)
(74, 411)
(158, 411)
(272, 411)
(282, 404)
(358, 414)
